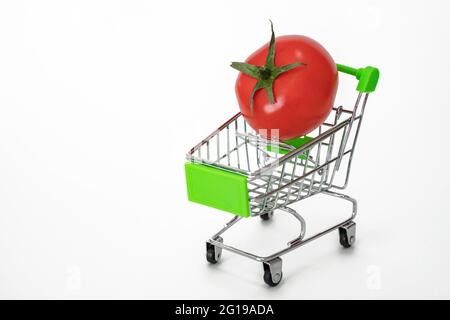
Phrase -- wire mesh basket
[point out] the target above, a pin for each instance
(237, 170)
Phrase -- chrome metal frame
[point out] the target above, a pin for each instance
(293, 244)
(279, 175)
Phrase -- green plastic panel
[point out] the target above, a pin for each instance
(298, 142)
(367, 77)
(295, 142)
(217, 188)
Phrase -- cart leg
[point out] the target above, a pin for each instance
(347, 234)
(213, 253)
(272, 264)
(273, 271)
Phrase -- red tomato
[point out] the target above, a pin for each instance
(302, 96)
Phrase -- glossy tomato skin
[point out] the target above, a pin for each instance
(304, 96)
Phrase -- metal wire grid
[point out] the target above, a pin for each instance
(275, 179)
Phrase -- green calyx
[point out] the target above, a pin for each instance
(267, 74)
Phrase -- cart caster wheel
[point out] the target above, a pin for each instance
(272, 272)
(213, 253)
(266, 216)
(347, 234)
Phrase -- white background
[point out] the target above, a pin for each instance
(100, 101)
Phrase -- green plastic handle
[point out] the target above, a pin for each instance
(367, 77)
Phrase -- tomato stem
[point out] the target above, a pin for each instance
(266, 74)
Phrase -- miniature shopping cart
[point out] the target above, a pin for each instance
(236, 170)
